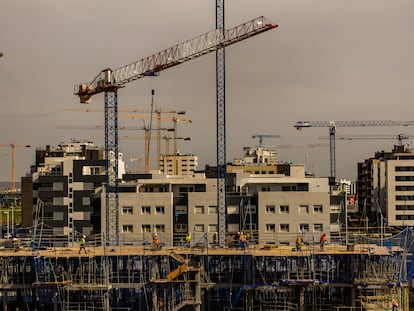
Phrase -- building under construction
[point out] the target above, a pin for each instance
(203, 276)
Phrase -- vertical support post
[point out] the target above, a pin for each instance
(197, 291)
(332, 130)
(221, 127)
(111, 161)
(346, 217)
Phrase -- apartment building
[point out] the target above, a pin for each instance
(61, 186)
(385, 187)
(275, 208)
(274, 203)
(178, 164)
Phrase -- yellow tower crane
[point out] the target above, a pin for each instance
(13, 162)
(144, 128)
(134, 113)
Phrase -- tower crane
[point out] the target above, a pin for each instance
(167, 139)
(261, 136)
(13, 163)
(108, 81)
(141, 114)
(399, 137)
(144, 128)
(332, 125)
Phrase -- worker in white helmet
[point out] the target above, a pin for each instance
(82, 244)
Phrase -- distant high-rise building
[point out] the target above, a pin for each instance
(178, 164)
(385, 187)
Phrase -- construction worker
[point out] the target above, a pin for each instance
(242, 240)
(188, 239)
(322, 240)
(236, 240)
(82, 244)
(156, 241)
(394, 305)
(248, 238)
(299, 243)
(215, 238)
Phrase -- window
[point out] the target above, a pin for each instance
(317, 227)
(146, 210)
(57, 215)
(199, 228)
(303, 209)
(404, 168)
(270, 228)
(86, 201)
(159, 210)
(127, 210)
(304, 227)
(284, 209)
(57, 201)
(233, 209)
(250, 209)
(58, 170)
(404, 188)
(58, 186)
(265, 189)
(182, 209)
(317, 209)
(284, 228)
(212, 209)
(180, 228)
(270, 209)
(94, 170)
(404, 178)
(212, 228)
(199, 209)
(145, 228)
(127, 228)
(160, 228)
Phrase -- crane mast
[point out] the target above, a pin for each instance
(221, 127)
(108, 81)
(332, 125)
(13, 163)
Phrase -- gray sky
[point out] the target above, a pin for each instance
(328, 60)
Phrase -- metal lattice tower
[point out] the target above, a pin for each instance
(111, 157)
(221, 127)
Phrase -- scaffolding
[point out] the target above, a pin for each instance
(339, 277)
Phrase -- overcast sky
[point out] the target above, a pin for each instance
(327, 60)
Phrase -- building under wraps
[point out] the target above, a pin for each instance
(259, 277)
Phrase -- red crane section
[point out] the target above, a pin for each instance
(180, 53)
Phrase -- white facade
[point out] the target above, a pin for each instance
(257, 156)
(286, 206)
(290, 206)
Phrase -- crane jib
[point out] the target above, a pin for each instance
(180, 53)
